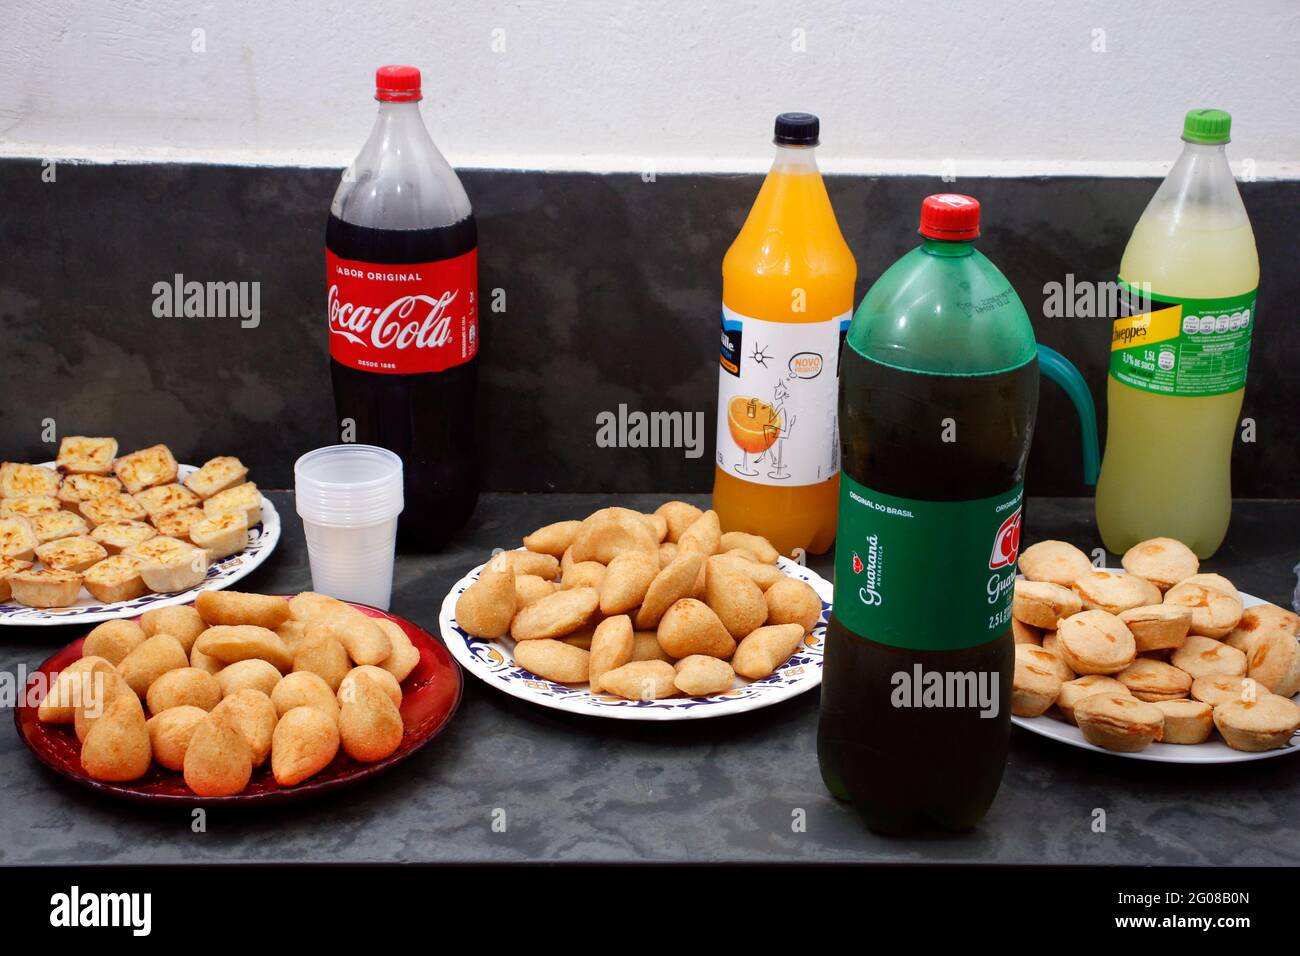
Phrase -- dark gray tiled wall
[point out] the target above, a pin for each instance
(612, 289)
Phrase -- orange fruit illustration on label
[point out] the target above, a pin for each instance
(753, 423)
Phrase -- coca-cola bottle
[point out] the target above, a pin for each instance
(402, 279)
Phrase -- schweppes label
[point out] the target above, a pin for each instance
(1186, 347)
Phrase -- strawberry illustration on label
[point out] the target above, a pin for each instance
(857, 563)
(1006, 543)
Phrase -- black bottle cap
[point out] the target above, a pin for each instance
(797, 129)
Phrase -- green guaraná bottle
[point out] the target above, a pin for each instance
(938, 394)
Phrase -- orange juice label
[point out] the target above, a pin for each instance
(778, 383)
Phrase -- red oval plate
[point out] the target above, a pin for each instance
(430, 696)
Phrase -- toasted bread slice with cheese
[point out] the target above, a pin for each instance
(28, 506)
(58, 524)
(117, 536)
(79, 455)
(71, 554)
(75, 489)
(116, 578)
(180, 567)
(7, 567)
(176, 524)
(45, 588)
(145, 468)
(119, 507)
(216, 475)
(17, 538)
(19, 481)
(221, 535)
(161, 499)
(244, 498)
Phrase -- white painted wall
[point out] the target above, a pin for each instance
(987, 85)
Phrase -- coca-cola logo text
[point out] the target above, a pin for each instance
(418, 321)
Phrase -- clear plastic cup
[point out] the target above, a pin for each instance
(349, 497)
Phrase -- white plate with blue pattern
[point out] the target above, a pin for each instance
(492, 661)
(262, 538)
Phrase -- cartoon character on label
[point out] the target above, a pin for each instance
(781, 429)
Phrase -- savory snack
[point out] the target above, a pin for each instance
(487, 606)
(117, 536)
(1119, 722)
(20, 481)
(701, 676)
(1202, 656)
(250, 713)
(153, 657)
(764, 650)
(1157, 627)
(218, 761)
(303, 743)
(1073, 691)
(1267, 722)
(184, 686)
(1042, 603)
(641, 680)
(1215, 612)
(80, 455)
(1216, 689)
(1036, 683)
(215, 476)
(71, 554)
(611, 646)
(115, 578)
(553, 539)
(1260, 620)
(252, 673)
(45, 587)
(1273, 659)
(242, 499)
(180, 621)
(75, 490)
(554, 661)
(7, 567)
(239, 607)
(17, 538)
(1057, 562)
(1095, 642)
(555, 615)
(161, 499)
(28, 506)
(791, 601)
(53, 525)
(1186, 721)
(177, 524)
(146, 468)
(1115, 593)
(1162, 561)
(626, 581)
(1153, 680)
(230, 643)
(370, 726)
(220, 535)
(170, 733)
(117, 747)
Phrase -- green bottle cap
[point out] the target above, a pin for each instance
(1207, 126)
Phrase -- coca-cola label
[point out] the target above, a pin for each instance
(403, 318)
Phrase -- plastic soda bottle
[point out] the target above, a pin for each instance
(1178, 361)
(938, 396)
(787, 296)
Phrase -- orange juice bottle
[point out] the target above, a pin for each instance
(787, 299)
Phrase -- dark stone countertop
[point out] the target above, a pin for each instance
(579, 788)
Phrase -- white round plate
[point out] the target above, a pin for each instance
(262, 538)
(493, 663)
(1213, 750)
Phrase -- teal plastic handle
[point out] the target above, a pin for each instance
(1062, 371)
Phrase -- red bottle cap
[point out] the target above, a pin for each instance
(397, 84)
(950, 216)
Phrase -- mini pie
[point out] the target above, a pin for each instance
(245, 499)
(1158, 627)
(1202, 656)
(1023, 633)
(71, 554)
(17, 539)
(1265, 723)
(1073, 691)
(75, 489)
(28, 506)
(1058, 562)
(171, 568)
(1274, 661)
(216, 475)
(1217, 581)
(58, 524)
(1215, 613)
(1108, 591)
(1051, 643)
(146, 468)
(1152, 680)
(1042, 603)
(1036, 681)
(7, 567)
(116, 578)
(45, 588)
(1162, 561)
(221, 535)
(1049, 659)
(1263, 619)
(19, 481)
(1119, 722)
(1095, 642)
(80, 455)
(1186, 721)
(161, 499)
(1216, 689)
(177, 524)
(116, 507)
(117, 536)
